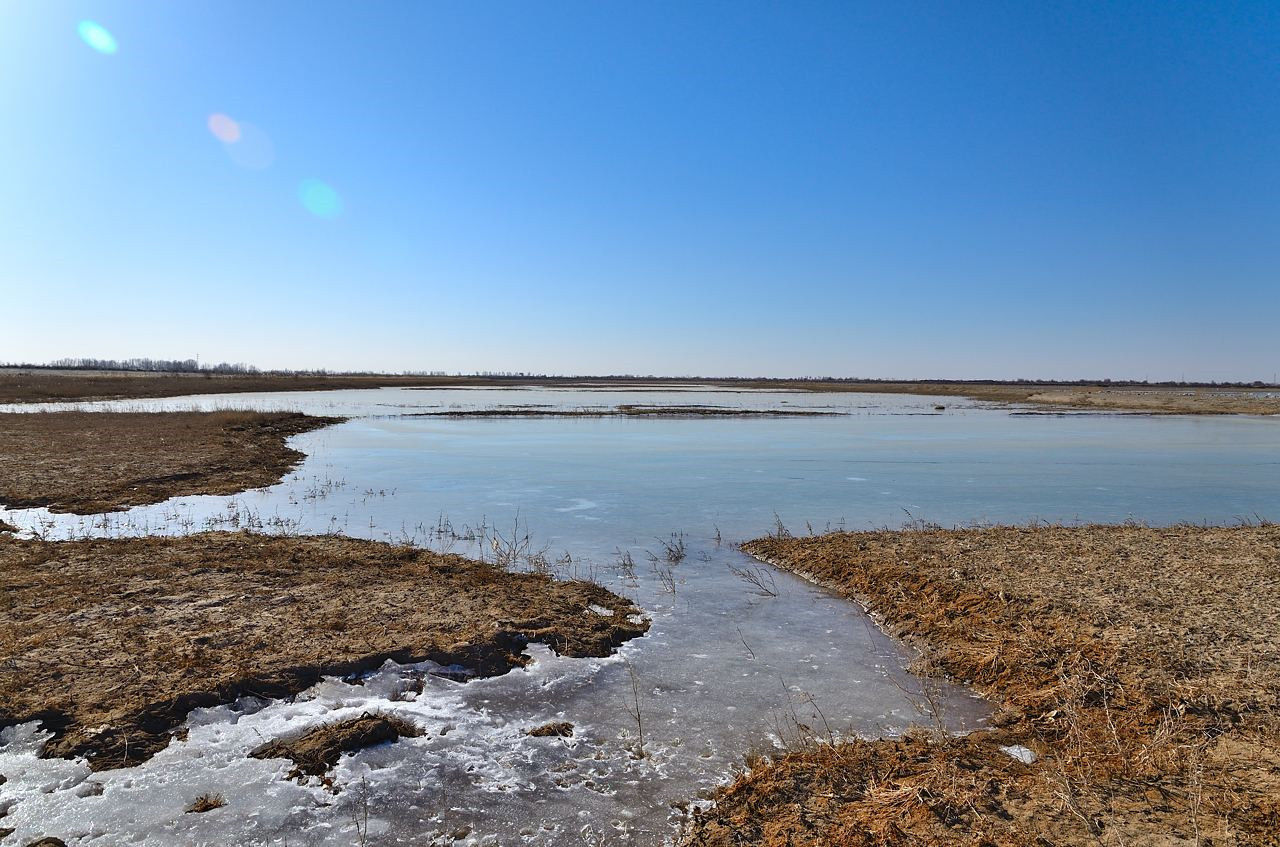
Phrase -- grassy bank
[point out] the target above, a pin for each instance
(1141, 668)
(92, 462)
(110, 643)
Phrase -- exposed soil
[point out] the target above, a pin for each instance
(1141, 666)
(112, 642)
(38, 385)
(91, 462)
(317, 750)
(555, 729)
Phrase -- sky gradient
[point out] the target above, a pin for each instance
(904, 190)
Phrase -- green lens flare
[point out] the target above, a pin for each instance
(319, 198)
(97, 37)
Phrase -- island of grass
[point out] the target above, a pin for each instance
(1136, 671)
(92, 462)
(111, 643)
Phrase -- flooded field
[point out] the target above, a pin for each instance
(740, 658)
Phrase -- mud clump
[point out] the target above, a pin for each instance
(1140, 666)
(94, 462)
(110, 643)
(317, 750)
(555, 729)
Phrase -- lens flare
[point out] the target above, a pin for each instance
(252, 148)
(97, 37)
(224, 128)
(319, 198)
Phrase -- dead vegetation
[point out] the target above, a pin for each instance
(1140, 666)
(207, 803)
(554, 729)
(110, 643)
(92, 462)
(317, 750)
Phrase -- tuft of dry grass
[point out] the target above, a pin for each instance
(91, 462)
(554, 729)
(207, 803)
(1141, 665)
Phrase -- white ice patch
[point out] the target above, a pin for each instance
(1023, 754)
(470, 740)
(580, 505)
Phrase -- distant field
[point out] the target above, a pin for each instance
(19, 385)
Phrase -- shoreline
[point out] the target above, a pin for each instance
(111, 643)
(98, 462)
(1141, 710)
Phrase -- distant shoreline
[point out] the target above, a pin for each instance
(50, 385)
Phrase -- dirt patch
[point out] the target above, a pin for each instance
(92, 462)
(555, 729)
(110, 643)
(1140, 667)
(315, 751)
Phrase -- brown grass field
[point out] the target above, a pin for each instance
(37, 385)
(110, 643)
(1142, 666)
(91, 462)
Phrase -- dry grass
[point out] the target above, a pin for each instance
(1141, 665)
(89, 462)
(207, 803)
(554, 729)
(110, 643)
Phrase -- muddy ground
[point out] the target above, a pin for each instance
(1140, 666)
(92, 462)
(19, 385)
(112, 642)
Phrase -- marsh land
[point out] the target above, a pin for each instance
(1138, 668)
(87, 463)
(24, 385)
(111, 643)
(273, 680)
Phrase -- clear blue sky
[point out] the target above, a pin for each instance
(894, 189)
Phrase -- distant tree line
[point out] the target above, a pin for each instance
(194, 366)
(151, 365)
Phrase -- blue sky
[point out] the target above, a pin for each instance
(896, 189)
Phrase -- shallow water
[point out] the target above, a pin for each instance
(726, 668)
